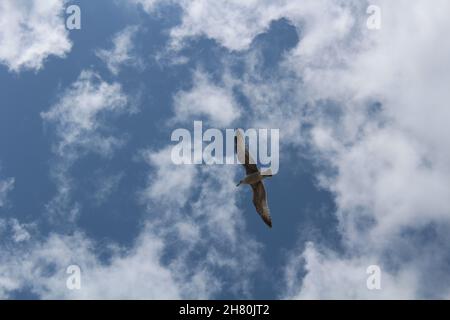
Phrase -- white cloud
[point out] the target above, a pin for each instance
(42, 266)
(331, 277)
(169, 184)
(206, 99)
(13, 229)
(80, 119)
(20, 232)
(234, 24)
(148, 5)
(5, 187)
(30, 32)
(105, 186)
(392, 165)
(122, 51)
(62, 204)
(78, 115)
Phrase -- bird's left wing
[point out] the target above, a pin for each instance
(260, 202)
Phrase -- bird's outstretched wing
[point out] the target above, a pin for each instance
(260, 202)
(243, 154)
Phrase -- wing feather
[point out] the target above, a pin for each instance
(260, 202)
(243, 154)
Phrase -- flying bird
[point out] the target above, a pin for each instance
(254, 178)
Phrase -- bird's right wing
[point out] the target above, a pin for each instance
(243, 154)
(260, 202)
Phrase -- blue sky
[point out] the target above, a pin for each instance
(85, 172)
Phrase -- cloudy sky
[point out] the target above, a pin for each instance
(86, 177)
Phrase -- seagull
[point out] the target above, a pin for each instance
(254, 178)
